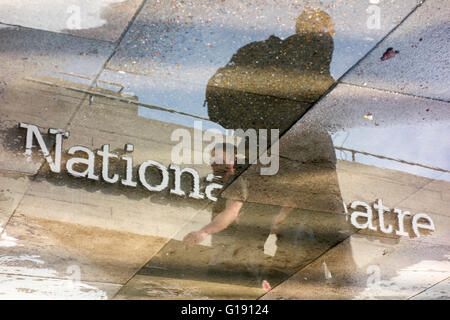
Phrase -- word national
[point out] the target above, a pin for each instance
(104, 152)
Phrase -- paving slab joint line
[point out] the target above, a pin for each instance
(55, 32)
(156, 253)
(415, 295)
(377, 45)
(396, 92)
(118, 42)
(112, 97)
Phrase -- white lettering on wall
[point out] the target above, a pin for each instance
(196, 182)
(33, 131)
(416, 224)
(367, 215)
(89, 161)
(165, 175)
(419, 220)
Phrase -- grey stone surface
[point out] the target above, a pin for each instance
(364, 267)
(440, 291)
(26, 52)
(422, 65)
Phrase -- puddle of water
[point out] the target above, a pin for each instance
(24, 277)
(409, 281)
(389, 143)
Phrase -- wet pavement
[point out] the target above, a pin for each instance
(417, 69)
(357, 89)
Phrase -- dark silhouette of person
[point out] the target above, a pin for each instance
(270, 84)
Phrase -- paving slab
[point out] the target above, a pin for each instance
(13, 186)
(421, 66)
(103, 20)
(183, 62)
(364, 267)
(26, 53)
(440, 291)
(51, 249)
(374, 122)
(156, 288)
(243, 255)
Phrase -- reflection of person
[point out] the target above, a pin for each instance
(245, 216)
(240, 229)
(269, 85)
(223, 166)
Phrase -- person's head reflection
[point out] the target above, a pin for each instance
(313, 21)
(222, 160)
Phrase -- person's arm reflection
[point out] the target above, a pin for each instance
(223, 159)
(279, 219)
(219, 223)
